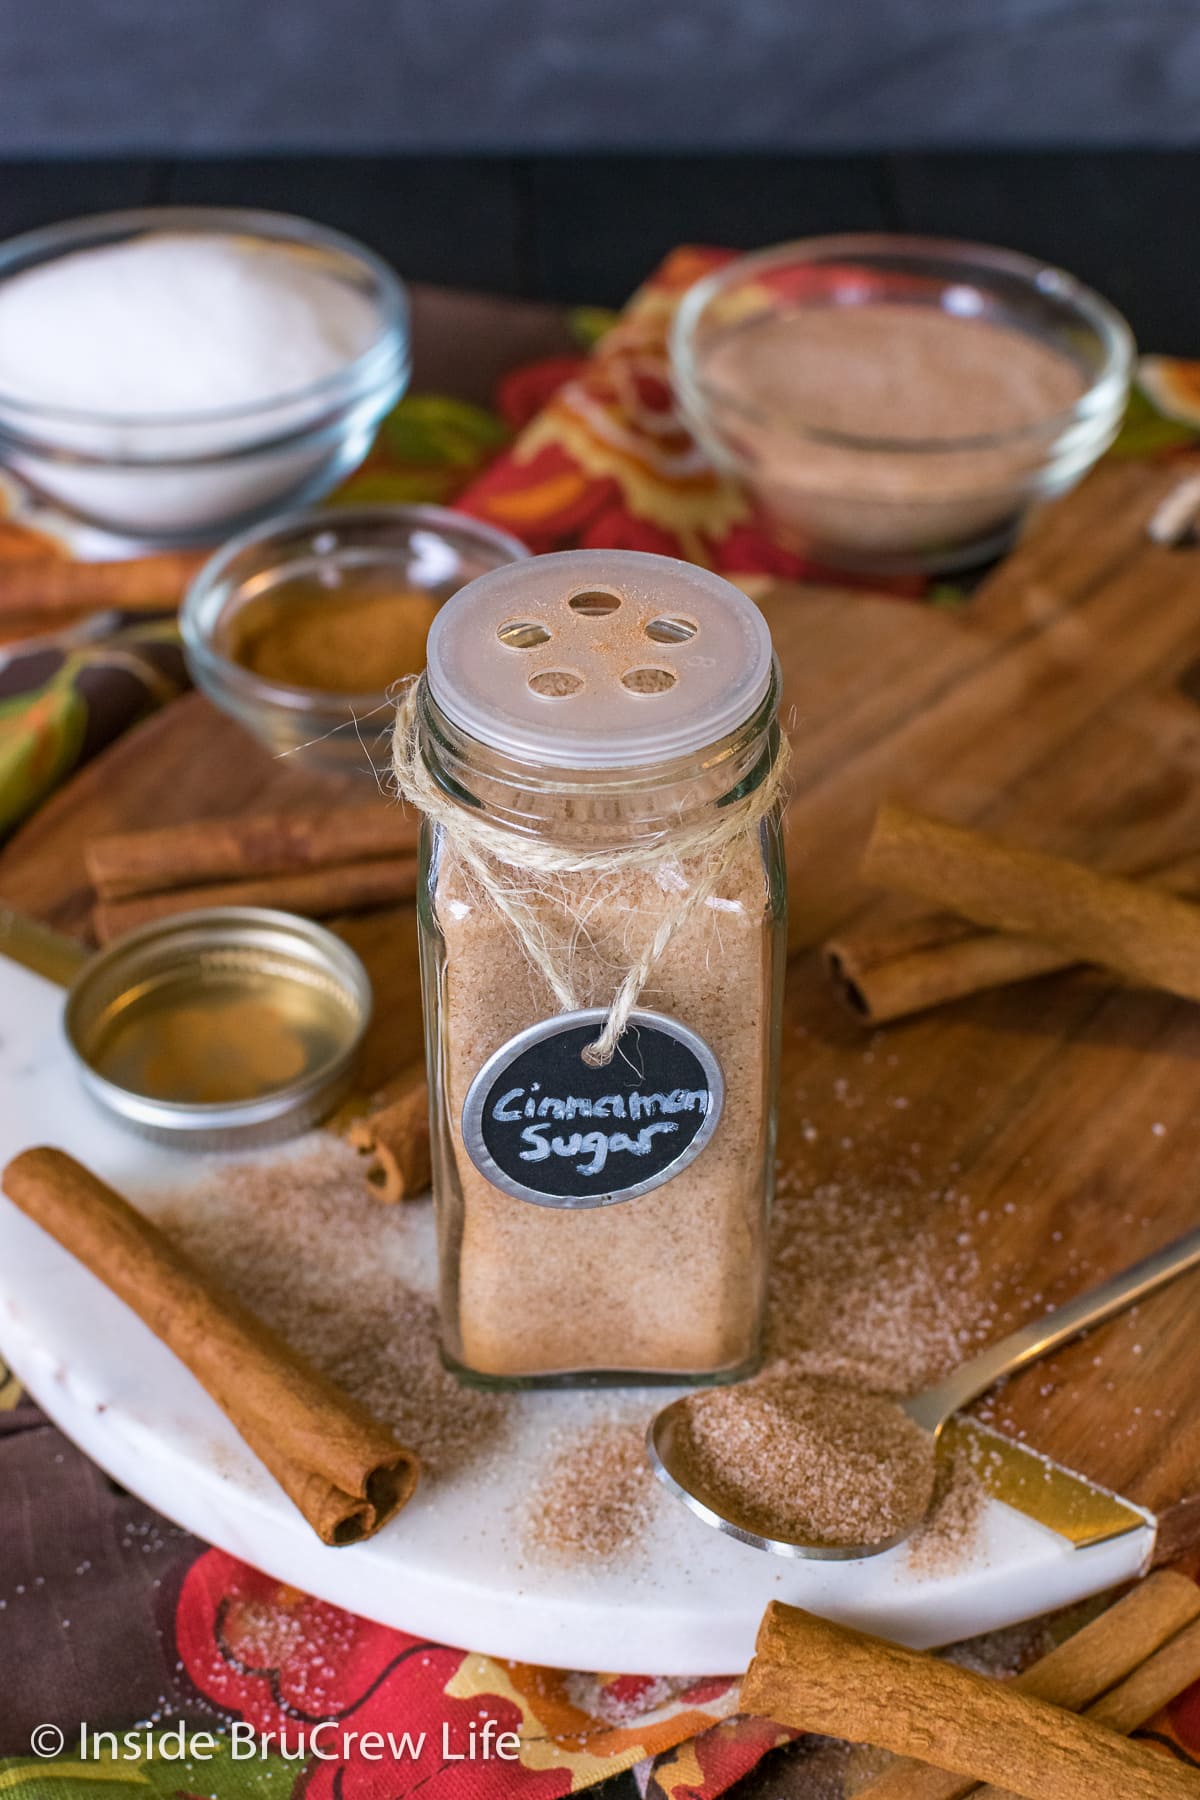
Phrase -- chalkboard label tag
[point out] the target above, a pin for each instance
(544, 1125)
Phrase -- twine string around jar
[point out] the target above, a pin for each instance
(488, 852)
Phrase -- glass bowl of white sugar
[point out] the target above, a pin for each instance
(175, 374)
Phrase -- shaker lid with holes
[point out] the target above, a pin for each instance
(599, 659)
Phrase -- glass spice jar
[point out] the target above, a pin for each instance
(596, 749)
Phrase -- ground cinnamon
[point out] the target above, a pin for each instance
(185, 856)
(891, 967)
(813, 1675)
(52, 585)
(394, 1135)
(1099, 1658)
(353, 639)
(343, 1470)
(317, 894)
(1140, 932)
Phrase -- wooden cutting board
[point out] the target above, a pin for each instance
(1044, 1136)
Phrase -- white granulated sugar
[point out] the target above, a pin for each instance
(176, 322)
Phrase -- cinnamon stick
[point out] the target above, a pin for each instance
(185, 856)
(351, 887)
(1142, 933)
(1137, 1699)
(63, 628)
(51, 585)
(344, 1471)
(394, 1134)
(813, 1675)
(888, 969)
(1161, 1678)
(1104, 1652)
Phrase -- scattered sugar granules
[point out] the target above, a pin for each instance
(596, 1498)
(951, 1530)
(861, 1290)
(303, 1245)
(859, 1297)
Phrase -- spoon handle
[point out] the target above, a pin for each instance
(1065, 1322)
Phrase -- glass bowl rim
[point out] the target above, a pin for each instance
(1102, 394)
(259, 690)
(309, 434)
(46, 244)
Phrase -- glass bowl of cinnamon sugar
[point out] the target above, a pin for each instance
(301, 628)
(897, 404)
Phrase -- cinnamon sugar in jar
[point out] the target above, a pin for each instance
(596, 749)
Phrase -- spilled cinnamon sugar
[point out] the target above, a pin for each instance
(859, 1302)
(596, 1497)
(951, 1529)
(303, 1246)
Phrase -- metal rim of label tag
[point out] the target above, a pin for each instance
(592, 1018)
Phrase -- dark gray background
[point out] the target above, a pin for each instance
(535, 75)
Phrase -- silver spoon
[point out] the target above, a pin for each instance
(936, 1406)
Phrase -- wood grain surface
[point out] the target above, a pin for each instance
(1041, 1136)
(191, 762)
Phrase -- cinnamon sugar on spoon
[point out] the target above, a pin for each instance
(805, 1461)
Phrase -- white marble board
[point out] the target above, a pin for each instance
(454, 1565)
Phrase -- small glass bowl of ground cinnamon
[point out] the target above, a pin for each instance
(299, 629)
(896, 404)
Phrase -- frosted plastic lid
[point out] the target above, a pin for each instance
(599, 659)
